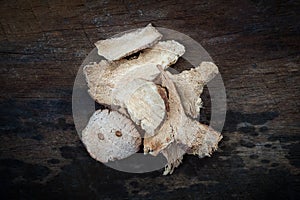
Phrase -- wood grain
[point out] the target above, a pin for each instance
(255, 45)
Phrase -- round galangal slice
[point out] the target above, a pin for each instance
(110, 136)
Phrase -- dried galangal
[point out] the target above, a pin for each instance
(147, 100)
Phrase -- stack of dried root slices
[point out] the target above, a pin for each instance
(146, 100)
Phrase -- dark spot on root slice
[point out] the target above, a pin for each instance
(100, 136)
(163, 92)
(118, 133)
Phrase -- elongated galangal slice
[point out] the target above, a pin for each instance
(144, 104)
(129, 43)
(106, 78)
(189, 85)
(180, 131)
(110, 136)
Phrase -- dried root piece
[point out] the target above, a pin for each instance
(164, 106)
(144, 104)
(129, 43)
(189, 85)
(179, 133)
(203, 142)
(105, 77)
(165, 135)
(174, 154)
(110, 136)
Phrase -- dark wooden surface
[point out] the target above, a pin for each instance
(254, 43)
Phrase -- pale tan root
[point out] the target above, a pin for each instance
(189, 85)
(128, 43)
(105, 78)
(179, 133)
(110, 136)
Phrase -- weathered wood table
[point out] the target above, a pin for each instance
(254, 43)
